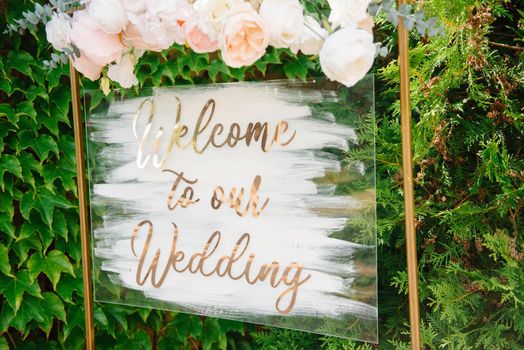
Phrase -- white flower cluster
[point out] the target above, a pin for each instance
(115, 33)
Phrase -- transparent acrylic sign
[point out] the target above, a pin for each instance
(246, 201)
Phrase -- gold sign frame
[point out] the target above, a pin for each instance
(409, 202)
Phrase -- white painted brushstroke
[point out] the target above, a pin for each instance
(289, 230)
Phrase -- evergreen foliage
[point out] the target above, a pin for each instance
(468, 111)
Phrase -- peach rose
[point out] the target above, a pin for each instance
(244, 37)
(197, 40)
(98, 47)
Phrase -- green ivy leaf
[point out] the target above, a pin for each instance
(6, 317)
(20, 61)
(100, 316)
(44, 202)
(63, 170)
(66, 286)
(6, 224)
(43, 145)
(30, 309)
(52, 265)
(60, 225)
(188, 325)
(62, 100)
(29, 165)
(5, 267)
(13, 288)
(8, 111)
(5, 86)
(3, 343)
(22, 247)
(6, 204)
(10, 164)
(216, 67)
(54, 306)
(138, 339)
(75, 319)
(36, 91)
(26, 108)
(211, 334)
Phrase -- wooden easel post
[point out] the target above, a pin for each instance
(409, 197)
(82, 203)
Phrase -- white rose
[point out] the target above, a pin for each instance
(347, 55)
(348, 13)
(123, 71)
(135, 5)
(312, 37)
(284, 20)
(213, 14)
(57, 31)
(109, 15)
(160, 23)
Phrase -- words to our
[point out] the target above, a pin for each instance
(255, 132)
(290, 276)
(234, 200)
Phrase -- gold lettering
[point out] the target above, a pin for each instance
(291, 276)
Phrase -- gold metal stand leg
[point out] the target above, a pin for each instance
(409, 198)
(81, 184)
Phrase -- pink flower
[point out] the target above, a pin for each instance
(98, 47)
(87, 67)
(156, 25)
(244, 37)
(197, 40)
(133, 38)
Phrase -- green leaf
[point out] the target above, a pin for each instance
(211, 333)
(6, 224)
(5, 86)
(100, 316)
(138, 339)
(75, 318)
(20, 61)
(52, 265)
(24, 246)
(8, 111)
(10, 164)
(5, 267)
(295, 70)
(30, 309)
(62, 170)
(234, 326)
(3, 343)
(6, 317)
(60, 225)
(188, 325)
(44, 202)
(13, 288)
(29, 165)
(216, 67)
(43, 145)
(6, 203)
(26, 108)
(54, 306)
(66, 286)
(34, 92)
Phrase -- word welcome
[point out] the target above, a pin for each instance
(220, 136)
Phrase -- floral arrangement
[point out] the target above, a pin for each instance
(107, 37)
